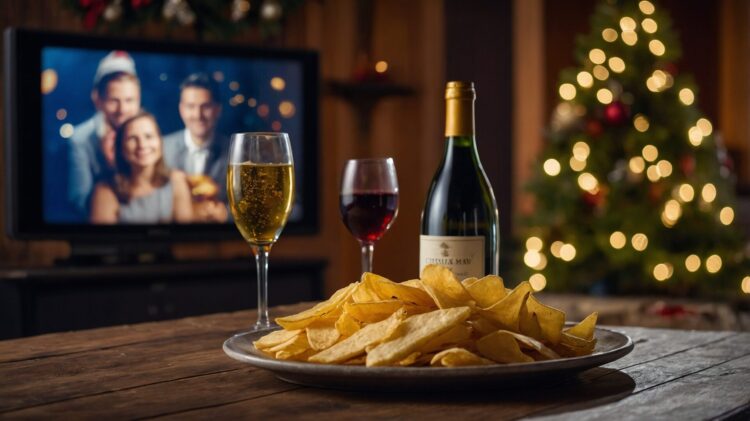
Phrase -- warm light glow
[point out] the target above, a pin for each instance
(601, 72)
(618, 240)
(534, 243)
(708, 193)
(692, 263)
(616, 64)
(581, 151)
(381, 66)
(585, 79)
(656, 47)
(234, 85)
(552, 167)
(630, 38)
(705, 126)
(577, 165)
(652, 172)
(567, 252)
(542, 262)
(639, 241)
(609, 35)
(641, 123)
(672, 210)
(726, 216)
(686, 193)
(604, 96)
(663, 271)
(695, 136)
(532, 258)
(713, 263)
(277, 83)
(597, 56)
(555, 248)
(252, 102)
(664, 167)
(646, 7)
(652, 84)
(66, 131)
(649, 25)
(650, 153)
(287, 109)
(567, 91)
(627, 24)
(686, 96)
(746, 285)
(49, 81)
(61, 114)
(637, 164)
(538, 281)
(588, 182)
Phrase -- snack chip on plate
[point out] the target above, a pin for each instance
(436, 320)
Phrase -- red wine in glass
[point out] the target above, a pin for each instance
(368, 215)
(368, 201)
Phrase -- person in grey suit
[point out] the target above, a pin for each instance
(117, 97)
(199, 149)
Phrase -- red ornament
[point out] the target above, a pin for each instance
(594, 128)
(615, 113)
(687, 165)
(595, 200)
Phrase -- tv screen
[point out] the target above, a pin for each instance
(111, 138)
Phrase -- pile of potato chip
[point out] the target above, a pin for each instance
(436, 320)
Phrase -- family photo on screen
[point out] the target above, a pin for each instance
(146, 141)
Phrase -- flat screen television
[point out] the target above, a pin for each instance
(66, 95)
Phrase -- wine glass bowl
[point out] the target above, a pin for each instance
(368, 201)
(260, 190)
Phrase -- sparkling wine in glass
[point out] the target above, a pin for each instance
(260, 188)
(369, 202)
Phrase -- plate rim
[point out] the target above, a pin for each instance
(306, 368)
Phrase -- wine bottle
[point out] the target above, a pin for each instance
(460, 220)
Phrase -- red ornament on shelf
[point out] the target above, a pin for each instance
(616, 113)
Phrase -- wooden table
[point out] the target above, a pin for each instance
(176, 369)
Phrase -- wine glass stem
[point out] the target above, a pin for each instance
(367, 250)
(261, 261)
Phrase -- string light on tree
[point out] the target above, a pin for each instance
(639, 241)
(538, 281)
(585, 79)
(647, 8)
(609, 34)
(686, 96)
(704, 126)
(649, 25)
(567, 91)
(695, 136)
(713, 263)
(745, 285)
(629, 37)
(576, 164)
(600, 72)
(663, 271)
(656, 47)
(597, 56)
(552, 167)
(726, 215)
(692, 263)
(567, 252)
(555, 248)
(708, 193)
(616, 64)
(618, 240)
(581, 150)
(604, 96)
(637, 164)
(686, 193)
(640, 122)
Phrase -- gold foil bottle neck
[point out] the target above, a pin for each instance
(459, 108)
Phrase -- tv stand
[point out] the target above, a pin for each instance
(93, 254)
(72, 297)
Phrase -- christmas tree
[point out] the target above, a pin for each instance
(634, 192)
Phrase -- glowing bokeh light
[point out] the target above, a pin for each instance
(617, 240)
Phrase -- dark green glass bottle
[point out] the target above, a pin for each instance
(460, 219)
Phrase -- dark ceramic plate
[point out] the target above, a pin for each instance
(611, 345)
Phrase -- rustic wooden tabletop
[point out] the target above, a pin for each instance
(177, 369)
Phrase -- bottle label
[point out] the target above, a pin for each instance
(463, 255)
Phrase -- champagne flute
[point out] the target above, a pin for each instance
(260, 187)
(369, 202)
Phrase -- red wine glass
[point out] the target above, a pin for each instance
(369, 201)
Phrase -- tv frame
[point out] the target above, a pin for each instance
(24, 219)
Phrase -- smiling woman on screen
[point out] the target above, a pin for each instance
(142, 189)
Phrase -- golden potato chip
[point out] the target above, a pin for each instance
(455, 335)
(373, 311)
(530, 343)
(444, 288)
(364, 294)
(584, 329)
(487, 291)
(410, 360)
(387, 290)
(414, 283)
(414, 332)
(291, 348)
(506, 312)
(481, 325)
(356, 344)
(347, 325)
(329, 307)
(551, 320)
(355, 361)
(528, 324)
(275, 338)
(502, 347)
(322, 334)
(458, 357)
(468, 282)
